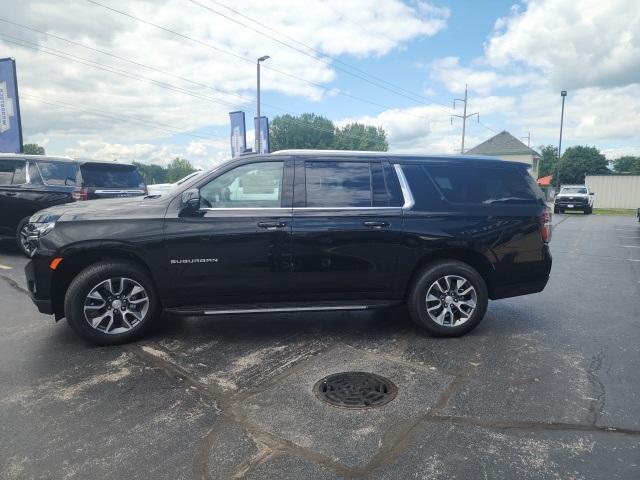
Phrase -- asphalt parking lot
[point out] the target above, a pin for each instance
(548, 386)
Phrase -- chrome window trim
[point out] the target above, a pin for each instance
(343, 208)
(409, 202)
(215, 209)
(235, 209)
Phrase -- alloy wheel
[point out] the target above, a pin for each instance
(451, 300)
(24, 240)
(116, 305)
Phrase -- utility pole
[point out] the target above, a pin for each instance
(464, 115)
(528, 137)
(258, 132)
(563, 94)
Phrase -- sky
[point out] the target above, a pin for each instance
(148, 81)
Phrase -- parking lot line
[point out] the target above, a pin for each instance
(628, 237)
(634, 259)
(4, 267)
(631, 246)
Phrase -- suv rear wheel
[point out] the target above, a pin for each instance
(111, 303)
(448, 298)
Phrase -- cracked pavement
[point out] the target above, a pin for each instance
(548, 386)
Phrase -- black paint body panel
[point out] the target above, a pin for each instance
(222, 256)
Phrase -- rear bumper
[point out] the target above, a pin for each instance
(39, 284)
(534, 277)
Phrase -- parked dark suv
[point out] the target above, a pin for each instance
(29, 183)
(296, 231)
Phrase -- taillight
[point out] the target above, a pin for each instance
(545, 224)
(80, 194)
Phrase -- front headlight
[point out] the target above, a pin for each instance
(39, 230)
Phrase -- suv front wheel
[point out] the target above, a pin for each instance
(111, 303)
(448, 298)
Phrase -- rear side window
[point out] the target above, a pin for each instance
(12, 172)
(484, 185)
(338, 184)
(424, 192)
(110, 176)
(58, 173)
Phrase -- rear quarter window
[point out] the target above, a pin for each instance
(95, 175)
(481, 185)
(438, 186)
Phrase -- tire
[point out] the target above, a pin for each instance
(588, 211)
(20, 240)
(556, 210)
(98, 284)
(424, 284)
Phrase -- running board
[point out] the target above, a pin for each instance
(279, 308)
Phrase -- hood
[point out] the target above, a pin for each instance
(130, 207)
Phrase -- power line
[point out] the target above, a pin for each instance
(395, 89)
(119, 117)
(116, 71)
(132, 62)
(108, 68)
(252, 61)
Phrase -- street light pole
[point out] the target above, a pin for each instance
(258, 132)
(563, 94)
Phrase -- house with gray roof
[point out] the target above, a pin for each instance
(507, 147)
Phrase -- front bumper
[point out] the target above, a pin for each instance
(39, 284)
(571, 206)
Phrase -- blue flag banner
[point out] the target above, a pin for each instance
(238, 133)
(10, 127)
(264, 134)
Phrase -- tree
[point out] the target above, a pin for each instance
(627, 164)
(32, 149)
(178, 168)
(356, 136)
(152, 173)
(305, 131)
(579, 161)
(549, 160)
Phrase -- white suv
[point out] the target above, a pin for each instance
(574, 197)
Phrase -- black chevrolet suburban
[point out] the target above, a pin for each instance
(298, 231)
(29, 183)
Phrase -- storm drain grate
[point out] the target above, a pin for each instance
(355, 390)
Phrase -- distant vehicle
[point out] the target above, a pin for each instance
(29, 183)
(574, 197)
(638, 214)
(161, 188)
(299, 231)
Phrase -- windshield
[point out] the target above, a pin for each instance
(569, 190)
(111, 176)
(58, 173)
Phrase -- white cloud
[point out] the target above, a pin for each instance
(613, 153)
(590, 48)
(421, 129)
(135, 112)
(448, 71)
(575, 43)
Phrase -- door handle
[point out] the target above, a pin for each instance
(376, 224)
(272, 225)
(10, 194)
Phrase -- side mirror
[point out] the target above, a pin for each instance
(592, 193)
(191, 199)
